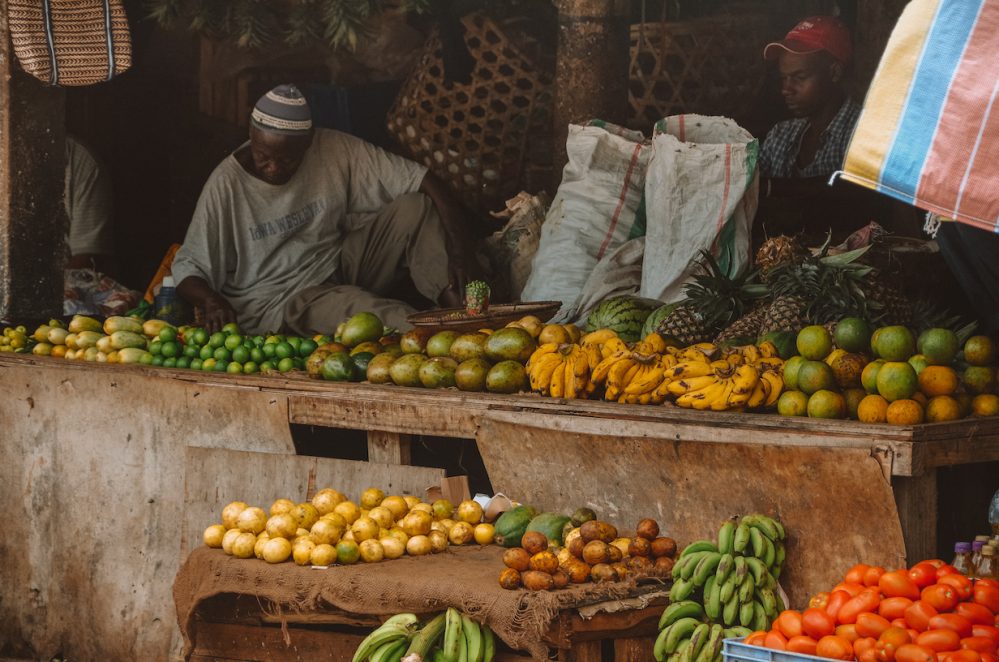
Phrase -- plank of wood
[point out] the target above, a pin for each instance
(389, 447)
(634, 649)
(607, 625)
(584, 651)
(268, 643)
(216, 476)
(916, 500)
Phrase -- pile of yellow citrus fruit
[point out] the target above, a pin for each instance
(331, 529)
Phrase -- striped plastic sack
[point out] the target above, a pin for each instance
(929, 131)
(70, 42)
(598, 207)
(701, 193)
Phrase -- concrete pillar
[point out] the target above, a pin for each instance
(591, 71)
(32, 165)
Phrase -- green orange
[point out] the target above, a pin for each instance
(826, 404)
(939, 346)
(852, 334)
(814, 342)
(893, 343)
(815, 376)
(792, 403)
(897, 380)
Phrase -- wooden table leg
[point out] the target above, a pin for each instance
(637, 649)
(916, 500)
(582, 651)
(389, 447)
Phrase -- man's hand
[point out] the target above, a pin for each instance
(212, 309)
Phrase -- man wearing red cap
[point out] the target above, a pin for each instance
(800, 154)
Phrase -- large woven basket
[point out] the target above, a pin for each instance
(475, 137)
(70, 42)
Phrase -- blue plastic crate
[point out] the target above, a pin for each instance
(733, 650)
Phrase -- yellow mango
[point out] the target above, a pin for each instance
(113, 324)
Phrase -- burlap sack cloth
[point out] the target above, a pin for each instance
(464, 578)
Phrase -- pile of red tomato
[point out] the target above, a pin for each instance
(929, 613)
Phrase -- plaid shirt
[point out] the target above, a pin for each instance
(780, 149)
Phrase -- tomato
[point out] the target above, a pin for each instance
(836, 601)
(889, 642)
(862, 644)
(960, 583)
(985, 581)
(848, 632)
(756, 638)
(989, 657)
(987, 595)
(919, 614)
(852, 588)
(835, 648)
(958, 624)
(872, 575)
(802, 644)
(980, 644)
(936, 563)
(789, 623)
(775, 640)
(870, 625)
(941, 597)
(976, 613)
(990, 631)
(866, 601)
(945, 569)
(898, 584)
(899, 623)
(914, 653)
(855, 575)
(819, 600)
(965, 656)
(892, 608)
(871, 655)
(923, 574)
(816, 623)
(940, 641)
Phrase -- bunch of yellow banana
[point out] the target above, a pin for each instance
(632, 376)
(722, 385)
(600, 344)
(561, 371)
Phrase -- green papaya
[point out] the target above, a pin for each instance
(550, 524)
(512, 524)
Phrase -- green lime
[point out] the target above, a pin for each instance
(221, 366)
(269, 350)
(258, 341)
(146, 359)
(156, 348)
(230, 328)
(234, 368)
(267, 366)
(198, 337)
(190, 351)
(170, 362)
(156, 360)
(168, 333)
(217, 339)
(248, 342)
(233, 341)
(206, 352)
(222, 354)
(183, 362)
(240, 354)
(283, 350)
(249, 368)
(171, 349)
(257, 355)
(299, 362)
(208, 364)
(274, 339)
(195, 364)
(306, 347)
(294, 341)
(286, 364)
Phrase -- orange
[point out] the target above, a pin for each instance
(979, 350)
(848, 369)
(918, 362)
(897, 381)
(826, 404)
(938, 345)
(979, 379)
(893, 343)
(853, 397)
(921, 398)
(938, 380)
(943, 408)
(872, 409)
(814, 342)
(792, 403)
(904, 412)
(790, 372)
(869, 377)
(985, 404)
(815, 376)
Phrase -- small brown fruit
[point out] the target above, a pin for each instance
(648, 529)
(664, 565)
(596, 551)
(578, 572)
(544, 562)
(561, 579)
(517, 558)
(640, 565)
(602, 572)
(597, 530)
(537, 581)
(614, 554)
(509, 579)
(664, 547)
(534, 542)
(640, 547)
(575, 547)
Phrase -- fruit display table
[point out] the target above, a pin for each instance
(126, 463)
(246, 609)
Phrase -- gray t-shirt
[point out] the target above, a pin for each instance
(88, 203)
(257, 244)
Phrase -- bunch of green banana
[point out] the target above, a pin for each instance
(452, 637)
(389, 642)
(685, 637)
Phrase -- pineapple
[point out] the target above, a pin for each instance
(785, 313)
(888, 304)
(747, 326)
(477, 297)
(777, 252)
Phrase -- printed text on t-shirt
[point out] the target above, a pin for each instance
(288, 223)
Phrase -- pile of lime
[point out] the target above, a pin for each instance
(228, 351)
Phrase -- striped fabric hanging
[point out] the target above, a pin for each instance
(929, 131)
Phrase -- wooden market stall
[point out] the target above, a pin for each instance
(112, 472)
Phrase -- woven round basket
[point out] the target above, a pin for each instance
(70, 42)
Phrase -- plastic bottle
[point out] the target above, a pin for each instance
(962, 558)
(988, 567)
(976, 553)
(994, 514)
(165, 302)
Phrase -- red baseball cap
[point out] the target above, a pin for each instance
(814, 34)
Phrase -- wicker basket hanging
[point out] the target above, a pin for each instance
(70, 42)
